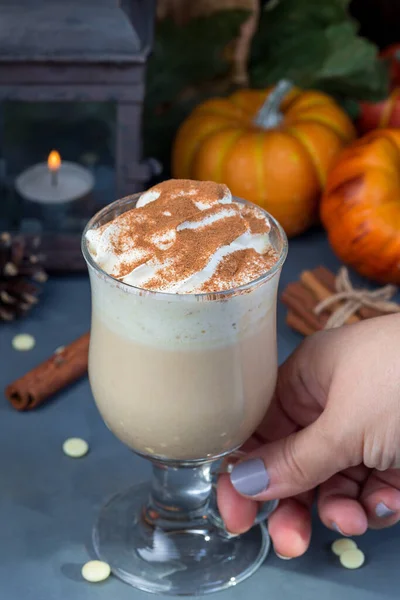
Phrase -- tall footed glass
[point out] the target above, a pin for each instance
(183, 380)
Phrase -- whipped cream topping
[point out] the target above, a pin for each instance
(185, 237)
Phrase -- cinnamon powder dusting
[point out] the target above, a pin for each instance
(237, 267)
(179, 229)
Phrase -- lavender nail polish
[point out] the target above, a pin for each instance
(250, 477)
(383, 512)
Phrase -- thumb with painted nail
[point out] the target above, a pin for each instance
(289, 466)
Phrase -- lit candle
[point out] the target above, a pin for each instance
(56, 192)
(54, 181)
(54, 164)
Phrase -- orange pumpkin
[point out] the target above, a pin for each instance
(360, 208)
(271, 147)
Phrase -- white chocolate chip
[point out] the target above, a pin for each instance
(96, 571)
(59, 350)
(75, 447)
(341, 545)
(23, 342)
(352, 559)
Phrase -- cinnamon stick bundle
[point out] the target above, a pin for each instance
(315, 286)
(60, 370)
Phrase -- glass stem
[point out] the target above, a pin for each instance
(179, 495)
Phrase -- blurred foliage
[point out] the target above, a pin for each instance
(314, 43)
(189, 63)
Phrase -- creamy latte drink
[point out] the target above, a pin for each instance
(183, 357)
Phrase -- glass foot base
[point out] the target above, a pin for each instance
(195, 559)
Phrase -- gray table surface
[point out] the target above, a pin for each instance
(48, 501)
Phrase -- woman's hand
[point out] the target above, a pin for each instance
(332, 433)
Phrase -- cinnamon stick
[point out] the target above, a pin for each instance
(298, 324)
(303, 296)
(299, 300)
(48, 378)
(320, 292)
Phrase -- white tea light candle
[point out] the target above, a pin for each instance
(54, 182)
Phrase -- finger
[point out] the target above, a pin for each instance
(238, 513)
(290, 527)
(338, 504)
(381, 498)
(249, 445)
(292, 465)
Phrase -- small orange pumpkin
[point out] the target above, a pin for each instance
(360, 208)
(272, 147)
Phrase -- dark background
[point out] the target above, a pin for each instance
(379, 19)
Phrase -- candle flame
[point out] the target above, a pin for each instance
(54, 160)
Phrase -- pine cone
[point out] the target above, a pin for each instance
(20, 272)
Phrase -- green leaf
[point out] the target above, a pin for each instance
(346, 53)
(370, 84)
(296, 60)
(315, 44)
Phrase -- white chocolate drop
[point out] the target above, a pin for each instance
(23, 342)
(352, 559)
(96, 571)
(75, 447)
(341, 545)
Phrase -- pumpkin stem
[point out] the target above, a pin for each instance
(269, 115)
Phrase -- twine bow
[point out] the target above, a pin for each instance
(354, 299)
